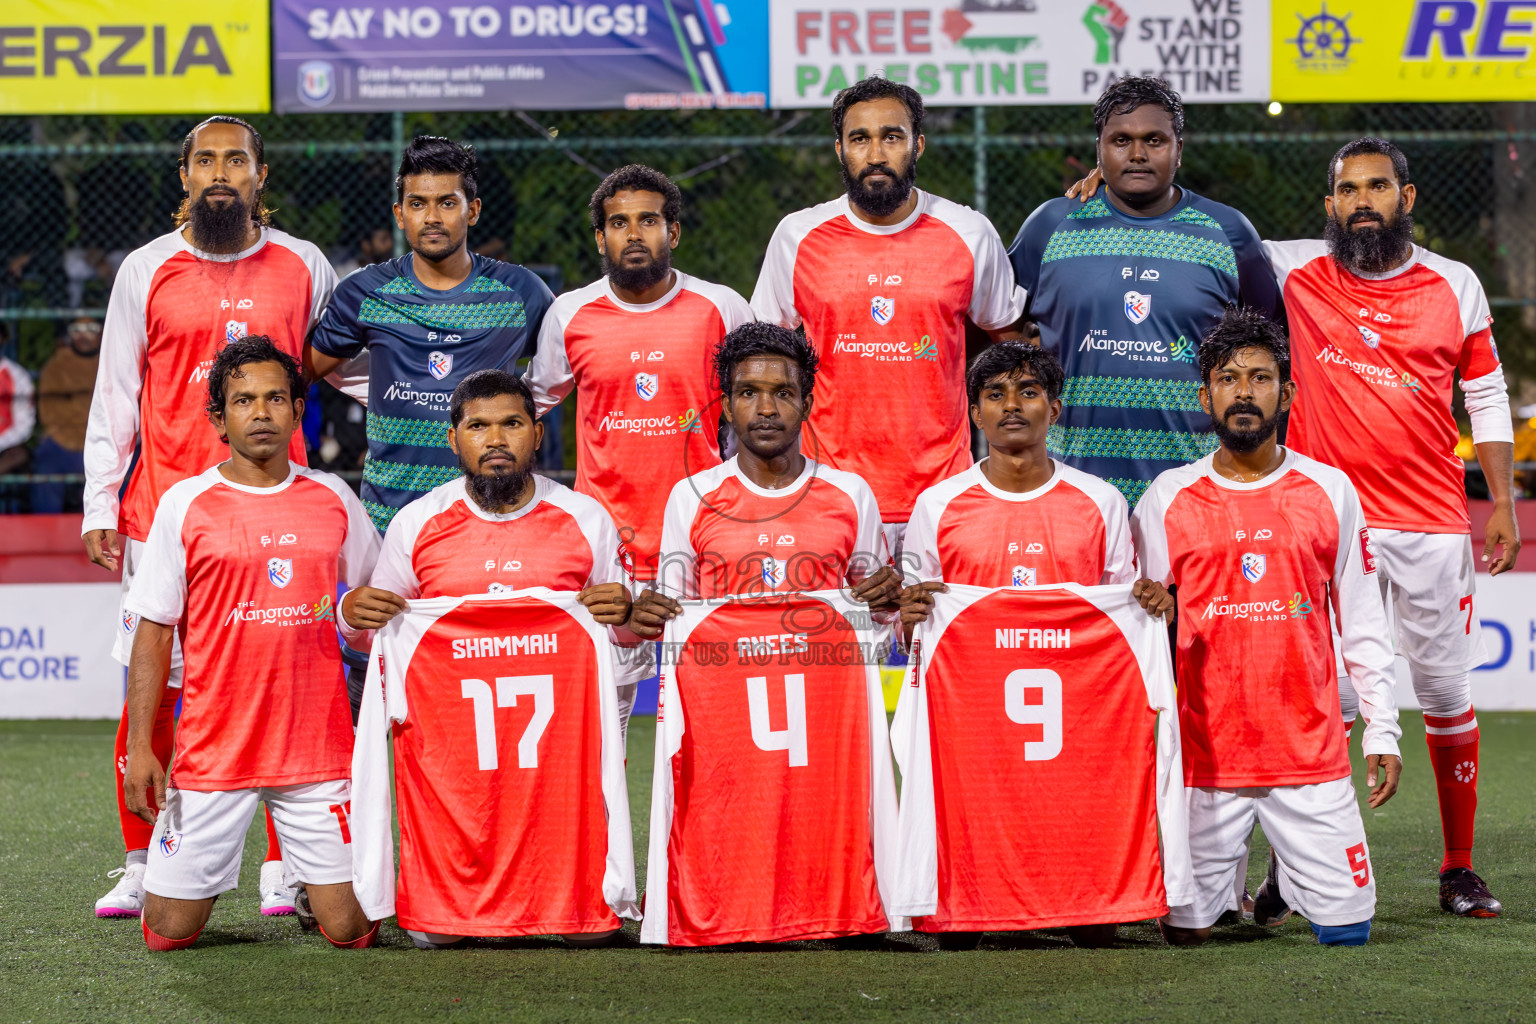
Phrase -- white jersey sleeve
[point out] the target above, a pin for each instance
(1359, 614)
(1148, 531)
(549, 375)
(1119, 551)
(997, 300)
(677, 569)
(773, 300)
(373, 841)
(920, 547)
(159, 591)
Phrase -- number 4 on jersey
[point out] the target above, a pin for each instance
(508, 689)
(790, 738)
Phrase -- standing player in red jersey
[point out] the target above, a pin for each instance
(1268, 551)
(1380, 329)
(884, 279)
(243, 561)
(769, 520)
(221, 275)
(636, 345)
(1017, 518)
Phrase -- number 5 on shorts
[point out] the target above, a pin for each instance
(1359, 865)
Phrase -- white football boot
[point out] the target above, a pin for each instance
(127, 897)
(276, 898)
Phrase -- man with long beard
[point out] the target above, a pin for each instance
(222, 274)
(1380, 328)
(884, 279)
(636, 345)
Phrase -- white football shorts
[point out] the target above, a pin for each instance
(1429, 582)
(1318, 839)
(199, 837)
(127, 625)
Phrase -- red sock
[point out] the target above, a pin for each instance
(1453, 744)
(274, 851)
(161, 944)
(361, 942)
(137, 831)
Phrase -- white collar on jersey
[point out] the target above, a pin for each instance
(221, 257)
(1252, 485)
(886, 229)
(800, 481)
(293, 473)
(646, 307)
(541, 487)
(998, 492)
(1414, 259)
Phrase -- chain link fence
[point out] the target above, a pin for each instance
(80, 192)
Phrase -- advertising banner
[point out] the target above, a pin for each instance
(337, 55)
(121, 57)
(56, 651)
(997, 52)
(1365, 51)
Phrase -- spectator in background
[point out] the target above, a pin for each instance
(63, 404)
(376, 246)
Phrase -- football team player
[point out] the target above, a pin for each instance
(246, 558)
(1267, 547)
(222, 274)
(425, 321)
(636, 346)
(500, 527)
(884, 279)
(1123, 286)
(1381, 329)
(1017, 518)
(768, 520)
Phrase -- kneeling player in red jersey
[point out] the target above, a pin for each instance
(1017, 518)
(1263, 544)
(247, 556)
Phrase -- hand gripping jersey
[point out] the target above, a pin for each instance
(1259, 567)
(724, 535)
(649, 399)
(172, 309)
(1374, 358)
(1123, 301)
(509, 771)
(1039, 753)
(886, 309)
(420, 343)
(250, 575)
(773, 806)
(1074, 529)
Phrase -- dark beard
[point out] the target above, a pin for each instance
(1245, 442)
(638, 279)
(492, 491)
(219, 229)
(1371, 250)
(883, 201)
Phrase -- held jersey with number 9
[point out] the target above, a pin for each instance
(1028, 738)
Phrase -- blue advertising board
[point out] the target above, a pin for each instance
(337, 56)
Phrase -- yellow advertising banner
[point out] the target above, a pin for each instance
(133, 57)
(1351, 51)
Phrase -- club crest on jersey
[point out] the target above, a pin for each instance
(439, 364)
(498, 588)
(1370, 337)
(1137, 307)
(1023, 576)
(773, 571)
(1253, 566)
(130, 620)
(170, 842)
(280, 571)
(646, 385)
(882, 309)
(234, 330)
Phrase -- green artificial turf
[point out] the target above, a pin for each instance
(59, 837)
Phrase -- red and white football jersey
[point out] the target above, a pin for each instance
(773, 803)
(886, 309)
(1374, 359)
(1259, 566)
(17, 416)
(724, 535)
(509, 771)
(649, 399)
(444, 545)
(250, 575)
(172, 308)
(1073, 529)
(1039, 752)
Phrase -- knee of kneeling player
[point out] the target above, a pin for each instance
(367, 939)
(1343, 934)
(161, 944)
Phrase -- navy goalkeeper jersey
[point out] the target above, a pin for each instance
(421, 342)
(1123, 302)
